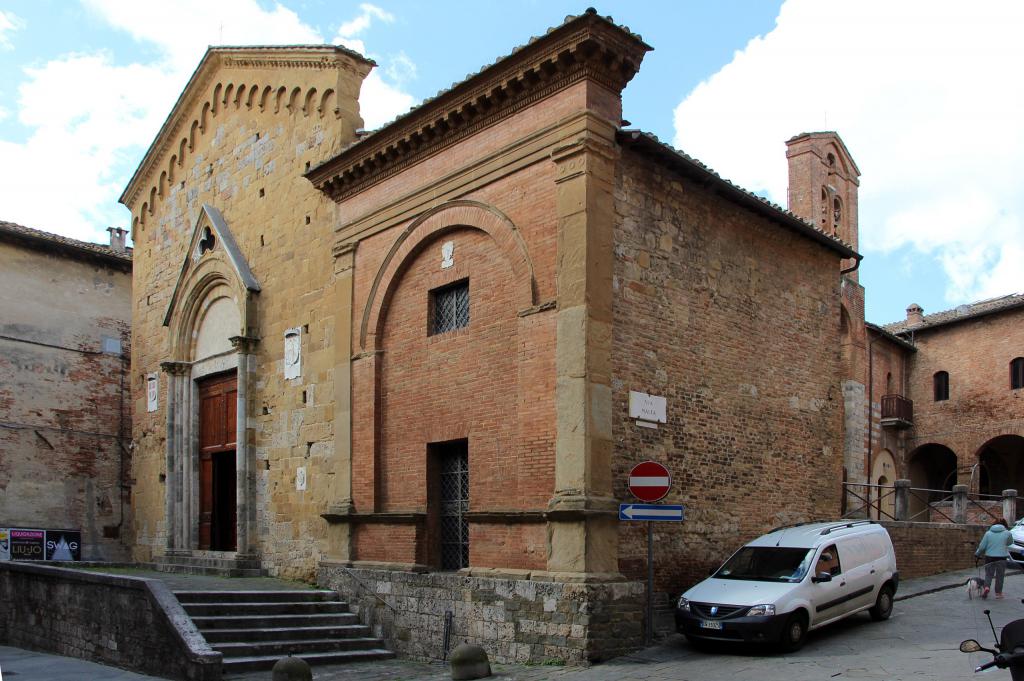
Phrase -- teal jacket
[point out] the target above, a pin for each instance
(995, 543)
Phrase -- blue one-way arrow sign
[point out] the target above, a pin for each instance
(650, 512)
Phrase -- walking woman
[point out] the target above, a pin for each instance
(994, 548)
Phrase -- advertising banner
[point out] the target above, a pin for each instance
(5, 544)
(63, 545)
(28, 544)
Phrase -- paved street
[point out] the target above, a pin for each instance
(919, 642)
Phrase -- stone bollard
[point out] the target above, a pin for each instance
(469, 661)
(1010, 505)
(960, 504)
(291, 669)
(902, 490)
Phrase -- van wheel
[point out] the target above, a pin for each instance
(794, 633)
(883, 606)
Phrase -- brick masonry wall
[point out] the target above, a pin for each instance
(64, 403)
(981, 406)
(735, 321)
(122, 621)
(924, 549)
(515, 620)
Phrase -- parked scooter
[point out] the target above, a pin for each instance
(1009, 652)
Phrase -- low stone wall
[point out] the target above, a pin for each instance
(524, 620)
(127, 622)
(924, 549)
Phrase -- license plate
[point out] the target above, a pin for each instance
(708, 624)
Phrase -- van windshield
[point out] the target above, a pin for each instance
(767, 564)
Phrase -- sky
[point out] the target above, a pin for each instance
(927, 95)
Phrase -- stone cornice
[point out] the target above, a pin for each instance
(588, 47)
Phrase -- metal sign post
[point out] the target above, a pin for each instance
(650, 481)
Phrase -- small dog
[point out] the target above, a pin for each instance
(975, 586)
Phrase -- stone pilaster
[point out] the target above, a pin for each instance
(339, 534)
(174, 489)
(582, 533)
(245, 347)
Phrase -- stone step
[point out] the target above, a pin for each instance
(298, 648)
(270, 608)
(234, 665)
(209, 561)
(270, 621)
(281, 633)
(202, 570)
(292, 596)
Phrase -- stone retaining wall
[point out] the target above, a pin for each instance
(515, 619)
(128, 622)
(930, 548)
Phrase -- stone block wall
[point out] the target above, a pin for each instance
(127, 622)
(735, 320)
(245, 155)
(924, 549)
(516, 619)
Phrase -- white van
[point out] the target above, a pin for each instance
(791, 580)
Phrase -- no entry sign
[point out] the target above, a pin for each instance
(649, 481)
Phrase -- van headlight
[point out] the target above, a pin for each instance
(684, 604)
(766, 610)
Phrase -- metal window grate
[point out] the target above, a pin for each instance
(454, 467)
(449, 308)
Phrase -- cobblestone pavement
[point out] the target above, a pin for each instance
(919, 642)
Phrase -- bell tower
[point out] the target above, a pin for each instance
(823, 182)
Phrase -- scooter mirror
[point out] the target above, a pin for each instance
(970, 646)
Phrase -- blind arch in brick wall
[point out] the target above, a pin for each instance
(447, 217)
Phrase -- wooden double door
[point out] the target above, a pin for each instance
(218, 504)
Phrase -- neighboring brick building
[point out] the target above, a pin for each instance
(404, 361)
(948, 391)
(64, 387)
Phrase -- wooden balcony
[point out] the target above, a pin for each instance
(897, 411)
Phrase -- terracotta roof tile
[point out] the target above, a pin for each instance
(43, 238)
(960, 313)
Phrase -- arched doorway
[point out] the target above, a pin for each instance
(1001, 464)
(930, 467)
(883, 472)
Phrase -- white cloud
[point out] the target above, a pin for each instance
(351, 29)
(925, 95)
(9, 23)
(91, 119)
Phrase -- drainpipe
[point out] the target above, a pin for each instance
(871, 409)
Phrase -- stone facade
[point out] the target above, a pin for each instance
(247, 126)
(65, 387)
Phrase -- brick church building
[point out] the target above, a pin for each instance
(402, 362)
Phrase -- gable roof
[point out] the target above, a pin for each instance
(212, 218)
(958, 314)
(688, 166)
(46, 241)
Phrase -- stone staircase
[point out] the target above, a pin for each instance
(254, 629)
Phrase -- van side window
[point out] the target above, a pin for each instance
(828, 561)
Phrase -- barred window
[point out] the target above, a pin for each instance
(453, 468)
(1017, 373)
(449, 307)
(941, 385)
